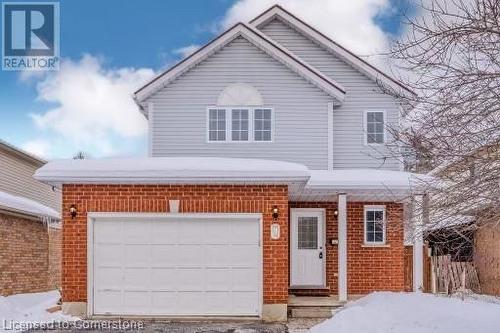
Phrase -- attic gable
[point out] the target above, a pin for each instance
(278, 13)
(259, 40)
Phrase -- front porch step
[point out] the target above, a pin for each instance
(313, 306)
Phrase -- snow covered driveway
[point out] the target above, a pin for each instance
(29, 308)
(386, 312)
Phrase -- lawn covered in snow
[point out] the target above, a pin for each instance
(29, 308)
(386, 312)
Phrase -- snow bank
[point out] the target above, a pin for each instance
(23, 205)
(386, 312)
(30, 308)
(170, 169)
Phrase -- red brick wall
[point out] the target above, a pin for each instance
(368, 268)
(23, 255)
(55, 255)
(154, 198)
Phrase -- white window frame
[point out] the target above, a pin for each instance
(368, 208)
(229, 124)
(365, 127)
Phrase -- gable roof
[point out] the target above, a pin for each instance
(37, 161)
(260, 40)
(349, 57)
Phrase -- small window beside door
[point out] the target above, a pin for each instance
(375, 225)
(374, 127)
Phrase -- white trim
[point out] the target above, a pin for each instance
(92, 216)
(260, 40)
(229, 124)
(418, 244)
(367, 208)
(342, 246)
(150, 128)
(365, 127)
(322, 213)
(361, 65)
(330, 136)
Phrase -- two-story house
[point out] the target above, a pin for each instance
(30, 237)
(267, 176)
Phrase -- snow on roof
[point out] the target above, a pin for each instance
(365, 179)
(26, 206)
(171, 170)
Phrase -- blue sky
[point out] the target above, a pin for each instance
(136, 35)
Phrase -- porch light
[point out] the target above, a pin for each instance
(275, 212)
(72, 211)
(335, 212)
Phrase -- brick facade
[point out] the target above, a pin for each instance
(193, 198)
(368, 268)
(24, 256)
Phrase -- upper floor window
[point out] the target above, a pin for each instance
(262, 124)
(375, 224)
(240, 124)
(375, 127)
(217, 125)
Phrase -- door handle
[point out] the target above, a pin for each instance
(321, 255)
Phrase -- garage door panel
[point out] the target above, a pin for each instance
(244, 232)
(190, 279)
(244, 256)
(107, 277)
(136, 232)
(163, 278)
(217, 279)
(189, 266)
(164, 255)
(107, 232)
(137, 255)
(136, 278)
(165, 232)
(109, 254)
(244, 279)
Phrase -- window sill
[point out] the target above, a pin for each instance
(375, 245)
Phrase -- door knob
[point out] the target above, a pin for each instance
(321, 255)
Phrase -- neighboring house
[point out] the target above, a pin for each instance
(30, 237)
(267, 176)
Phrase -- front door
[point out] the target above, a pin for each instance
(307, 247)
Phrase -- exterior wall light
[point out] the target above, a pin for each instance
(72, 211)
(275, 212)
(335, 213)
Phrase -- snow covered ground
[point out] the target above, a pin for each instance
(386, 312)
(29, 308)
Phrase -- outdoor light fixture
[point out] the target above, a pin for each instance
(275, 212)
(335, 212)
(72, 211)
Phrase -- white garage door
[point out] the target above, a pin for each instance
(188, 265)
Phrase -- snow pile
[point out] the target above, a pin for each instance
(23, 205)
(386, 312)
(29, 308)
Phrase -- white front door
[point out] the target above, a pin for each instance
(307, 247)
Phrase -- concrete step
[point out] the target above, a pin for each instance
(313, 312)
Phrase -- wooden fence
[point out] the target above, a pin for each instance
(451, 276)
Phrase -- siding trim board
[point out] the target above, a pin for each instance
(258, 39)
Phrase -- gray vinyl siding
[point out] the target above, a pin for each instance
(16, 178)
(349, 150)
(300, 109)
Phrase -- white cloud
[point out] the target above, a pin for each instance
(94, 108)
(186, 50)
(350, 23)
(39, 147)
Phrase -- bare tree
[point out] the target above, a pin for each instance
(80, 155)
(450, 56)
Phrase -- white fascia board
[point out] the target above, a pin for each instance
(264, 43)
(361, 65)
